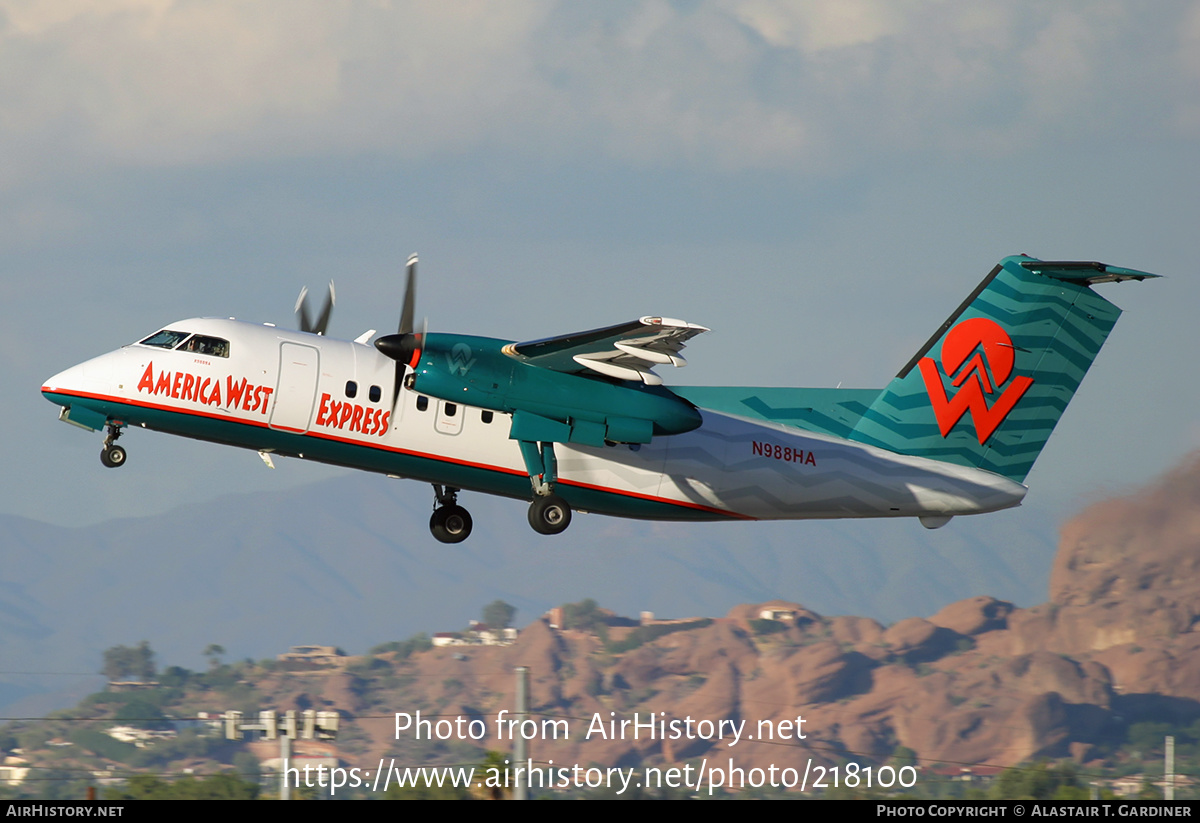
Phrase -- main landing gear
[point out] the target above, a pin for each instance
(548, 513)
(112, 455)
(450, 523)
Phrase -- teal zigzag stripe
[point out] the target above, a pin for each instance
(1057, 327)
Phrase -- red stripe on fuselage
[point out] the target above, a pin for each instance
(394, 449)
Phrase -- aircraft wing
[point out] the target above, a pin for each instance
(627, 351)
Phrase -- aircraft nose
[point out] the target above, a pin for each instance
(66, 380)
(78, 390)
(87, 379)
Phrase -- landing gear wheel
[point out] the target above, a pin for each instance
(112, 456)
(549, 514)
(450, 524)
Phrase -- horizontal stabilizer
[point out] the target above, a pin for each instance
(1085, 272)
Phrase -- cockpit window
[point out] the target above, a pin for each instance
(165, 339)
(210, 346)
(197, 343)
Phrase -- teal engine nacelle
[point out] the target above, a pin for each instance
(546, 405)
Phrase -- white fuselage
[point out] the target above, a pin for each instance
(289, 393)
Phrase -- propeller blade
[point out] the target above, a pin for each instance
(409, 306)
(398, 378)
(404, 347)
(302, 311)
(322, 324)
(305, 321)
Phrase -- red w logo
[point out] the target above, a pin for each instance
(960, 350)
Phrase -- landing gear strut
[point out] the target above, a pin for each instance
(450, 523)
(112, 455)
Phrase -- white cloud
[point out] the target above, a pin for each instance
(811, 84)
(813, 26)
(187, 81)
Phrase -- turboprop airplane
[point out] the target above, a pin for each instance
(582, 422)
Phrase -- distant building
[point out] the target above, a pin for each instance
(213, 720)
(782, 615)
(1127, 786)
(138, 737)
(494, 637)
(132, 685)
(13, 770)
(1131, 785)
(320, 655)
(478, 635)
(648, 619)
(967, 774)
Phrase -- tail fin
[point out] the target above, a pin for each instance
(992, 382)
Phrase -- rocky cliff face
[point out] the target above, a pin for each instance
(978, 682)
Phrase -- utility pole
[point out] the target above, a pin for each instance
(1169, 768)
(520, 748)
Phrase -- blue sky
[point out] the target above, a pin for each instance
(821, 183)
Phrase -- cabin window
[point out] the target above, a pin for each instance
(422, 402)
(208, 346)
(375, 394)
(485, 416)
(451, 409)
(165, 339)
(351, 388)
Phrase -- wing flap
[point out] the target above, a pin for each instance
(628, 351)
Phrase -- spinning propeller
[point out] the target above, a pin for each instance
(404, 346)
(306, 323)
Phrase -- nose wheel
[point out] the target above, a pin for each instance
(450, 523)
(549, 514)
(112, 455)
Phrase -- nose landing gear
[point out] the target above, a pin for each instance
(112, 455)
(450, 523)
